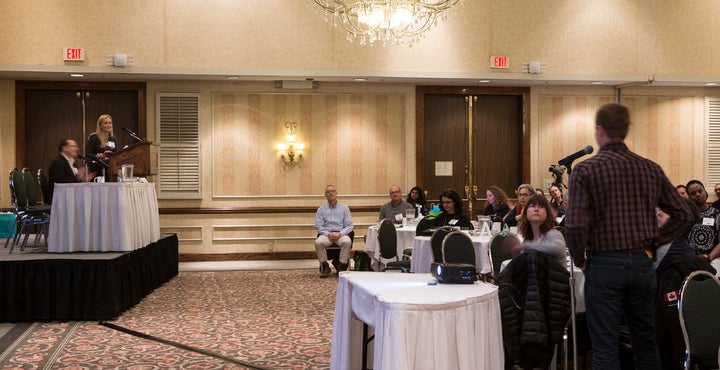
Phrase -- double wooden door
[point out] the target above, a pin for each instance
(469, 140)
(50, 111)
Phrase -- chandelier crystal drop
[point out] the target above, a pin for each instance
(396, 21)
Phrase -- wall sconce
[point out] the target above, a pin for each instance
(291, 151)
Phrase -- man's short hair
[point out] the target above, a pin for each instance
(615, 120)
(693, 182)
(61, 144)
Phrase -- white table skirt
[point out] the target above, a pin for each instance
(103, 217)
(422, 256)
(405, 236)
(417, 326)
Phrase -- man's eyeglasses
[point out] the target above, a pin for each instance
(523, 195)
(330, 191)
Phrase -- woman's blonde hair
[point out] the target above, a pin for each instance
(98, 129)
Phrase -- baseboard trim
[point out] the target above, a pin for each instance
(200, 257)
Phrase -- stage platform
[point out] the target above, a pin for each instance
(40, 286)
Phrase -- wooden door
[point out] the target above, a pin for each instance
(478, 134)
(51, 111)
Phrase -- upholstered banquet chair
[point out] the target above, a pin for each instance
(698, 305)
(436, 241)
(500, 248)
(457, 247)
(34, 216)
(387, 239)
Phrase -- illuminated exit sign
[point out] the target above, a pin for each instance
(73, 54)
(499, 62)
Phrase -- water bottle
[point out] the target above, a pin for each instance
(119, 175)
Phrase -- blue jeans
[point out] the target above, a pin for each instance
(617, 284)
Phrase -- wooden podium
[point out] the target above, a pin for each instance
(144, 156)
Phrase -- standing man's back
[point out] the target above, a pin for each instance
(612, 228)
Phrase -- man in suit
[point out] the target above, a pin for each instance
(62, 168)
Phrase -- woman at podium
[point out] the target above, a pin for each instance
(101, 143)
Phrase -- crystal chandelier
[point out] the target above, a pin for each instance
(396, 21)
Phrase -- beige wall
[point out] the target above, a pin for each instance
(664, 38)
(373, 143)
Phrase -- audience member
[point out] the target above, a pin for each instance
(538, 230)
(611, 226)
(395, 208)
(62, 169)
(333, 223)
(416, 198)
(539, 191)
(101, 142)
(716, 204)
(682, 190)
(497, 203)
(704, 234)
(524, 192)
(452, 213)
(558, 200)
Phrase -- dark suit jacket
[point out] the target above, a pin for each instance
(59, 172)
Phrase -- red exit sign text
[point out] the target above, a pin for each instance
(499, 62)
(73, 54)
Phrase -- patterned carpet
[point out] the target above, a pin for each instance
(198, 320)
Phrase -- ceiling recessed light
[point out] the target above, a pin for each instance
(77, 75)
(483, 81)
(597, 83)
(711, 84)
(360, 79)
(232, 77)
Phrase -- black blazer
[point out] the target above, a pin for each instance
(59, 172)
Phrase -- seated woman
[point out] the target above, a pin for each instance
(524, 192)
(538, 230)
(416, 197)
(497, 203)
(101, 142)
(452, 214)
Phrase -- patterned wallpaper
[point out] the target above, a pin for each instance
(354, 141)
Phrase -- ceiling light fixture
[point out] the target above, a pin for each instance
(396, 21)
(77, 75)
(711, 84)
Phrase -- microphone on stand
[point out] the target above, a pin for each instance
(96, 160)
(133, 134)
(569, 159)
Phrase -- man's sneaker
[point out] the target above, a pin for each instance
(324, 270)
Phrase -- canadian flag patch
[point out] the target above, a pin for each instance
(671, 296)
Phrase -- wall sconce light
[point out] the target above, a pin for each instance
(291, 151)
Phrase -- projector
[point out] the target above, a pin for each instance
(454, 273)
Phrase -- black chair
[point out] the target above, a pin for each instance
(698, 305)
(457, 247)
(499, 249)
(436, 242)
(387, 238)
(44, 186)
(424, 224)
(333, 251)
(34, 217)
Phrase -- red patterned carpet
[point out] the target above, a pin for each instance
(198, 320)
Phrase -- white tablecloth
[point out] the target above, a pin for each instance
(103, 217)
(405, 236)
(422, 255)
(417, 326)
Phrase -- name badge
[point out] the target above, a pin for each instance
(111, 144)
(708, 221)
(453, 222)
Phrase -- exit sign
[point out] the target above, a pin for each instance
(74, 54)
(499, 62)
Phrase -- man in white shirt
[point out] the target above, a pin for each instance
(333, 223)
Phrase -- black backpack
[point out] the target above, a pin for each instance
(362, 261)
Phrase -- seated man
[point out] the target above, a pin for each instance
(396, 205)
(703, 236)
(333, 224)
(62, 168)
